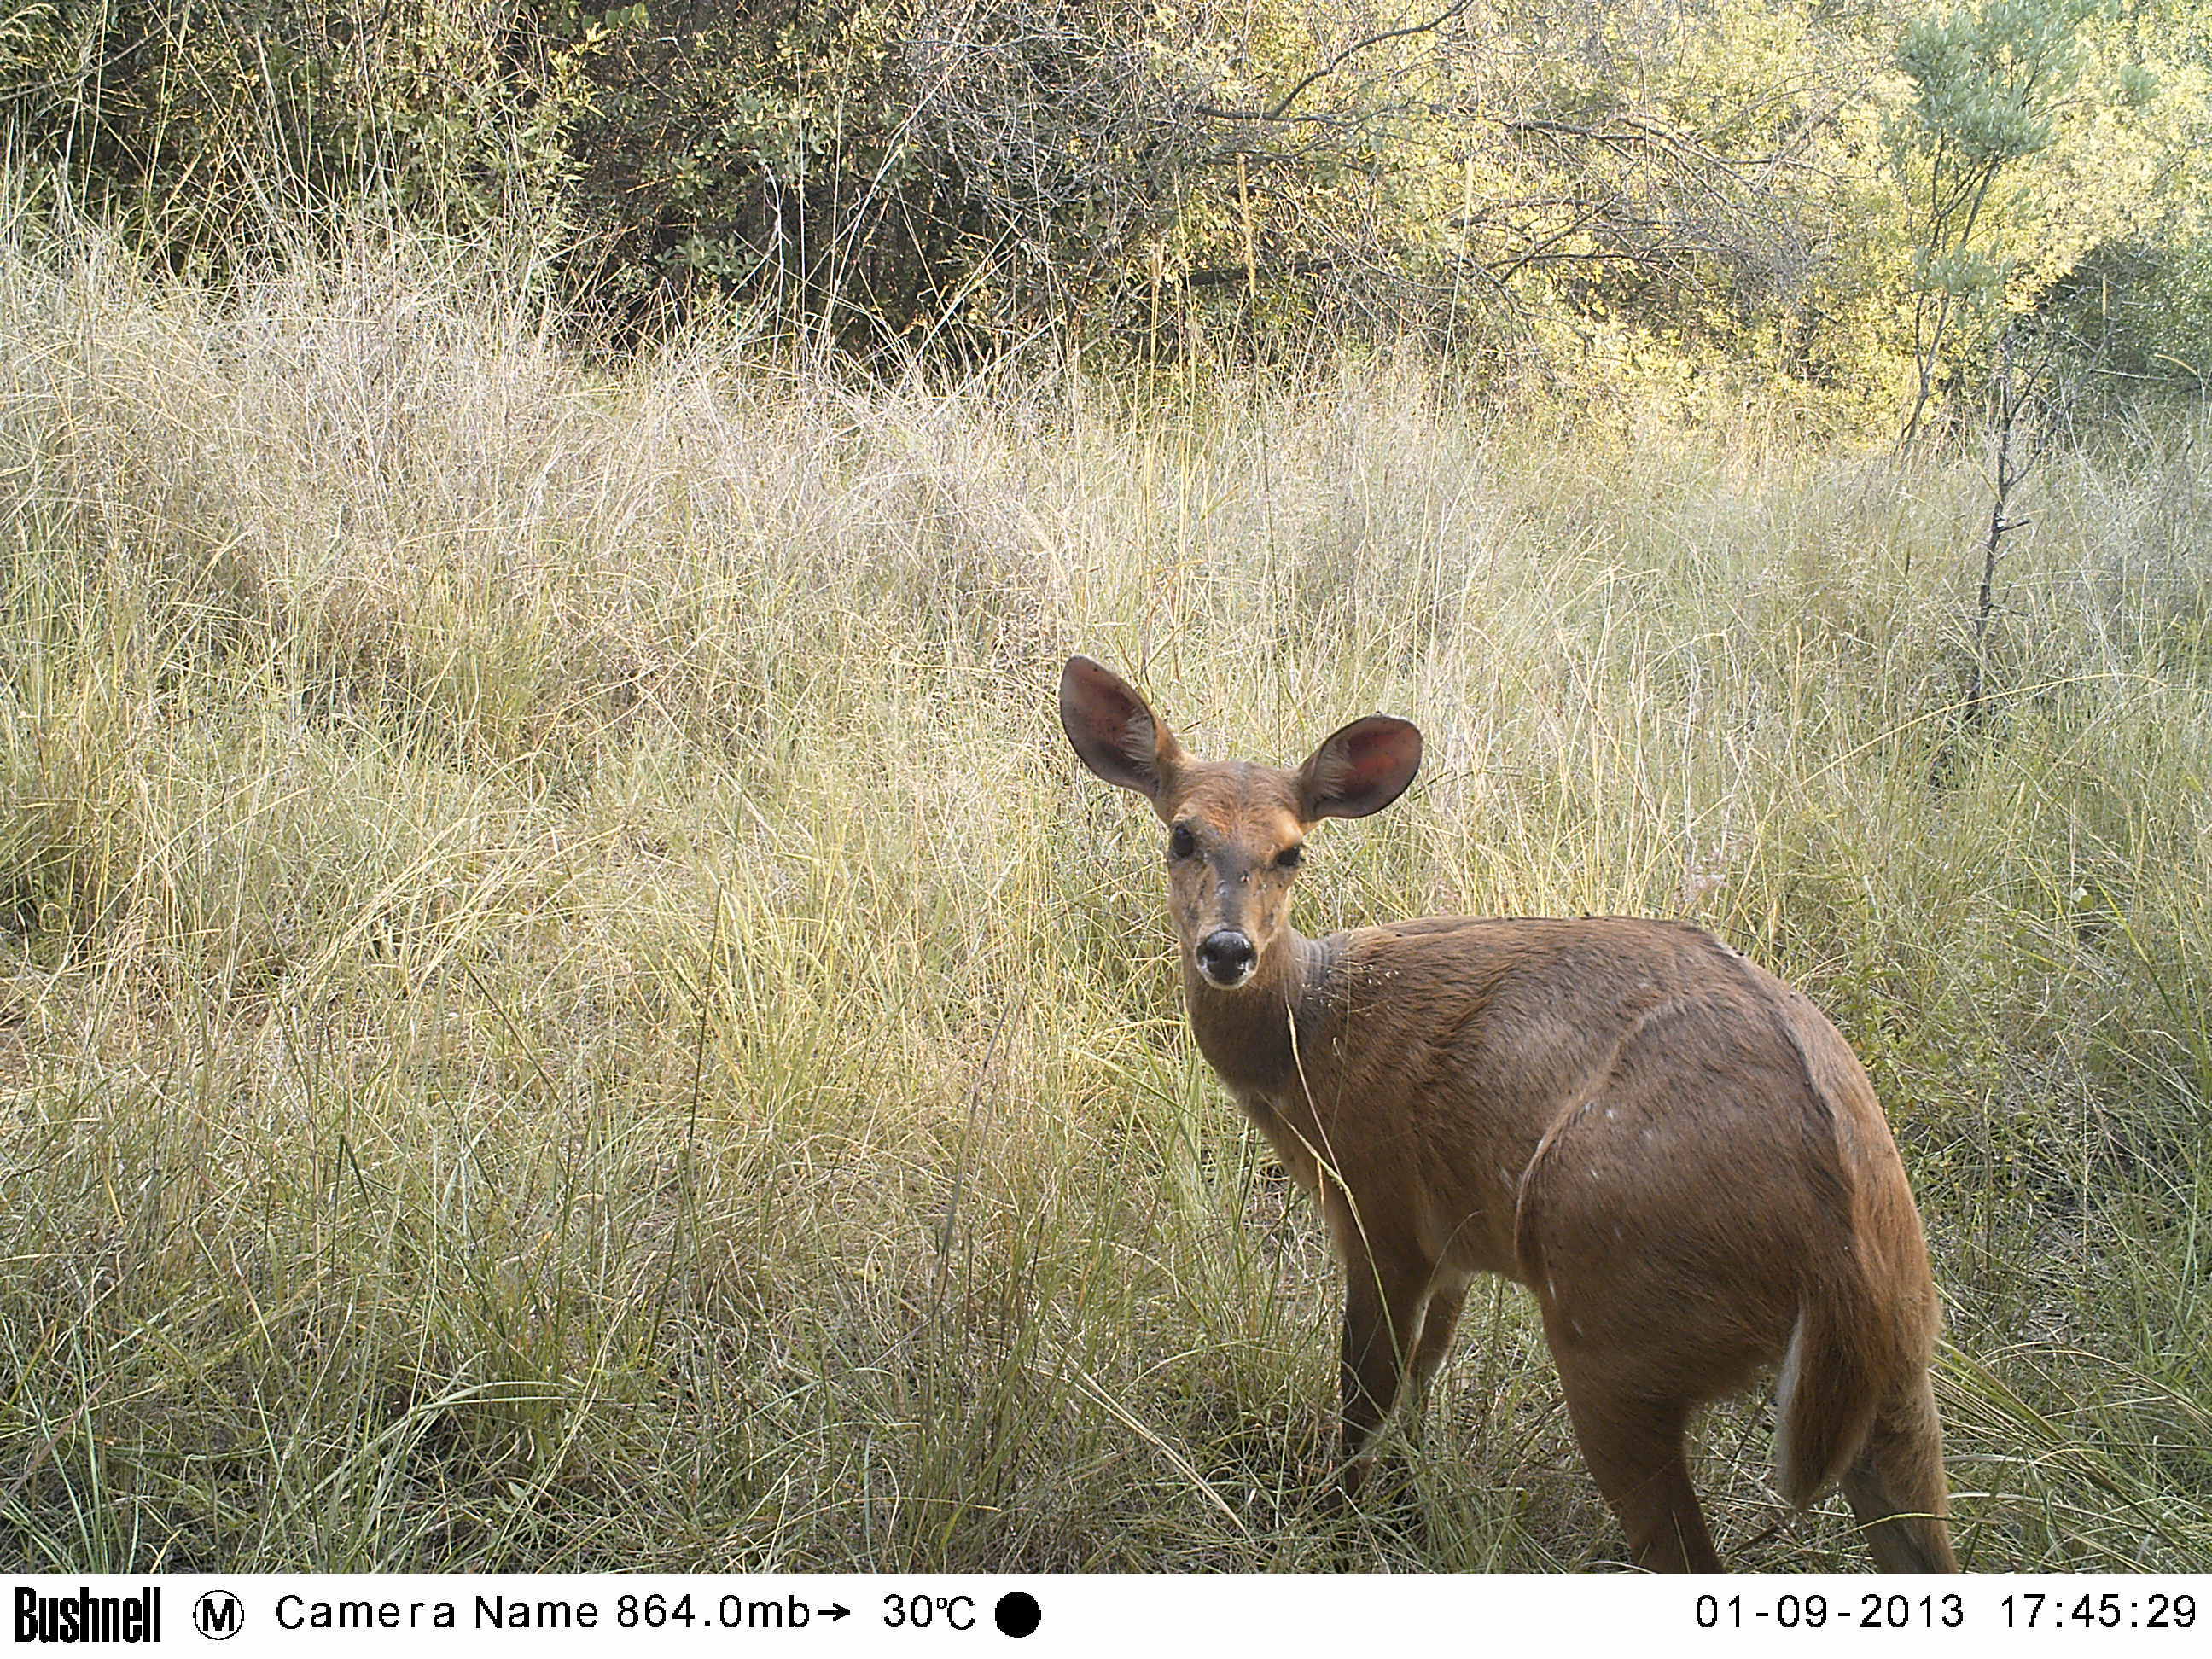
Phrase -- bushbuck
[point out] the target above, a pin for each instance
(1673, 1150)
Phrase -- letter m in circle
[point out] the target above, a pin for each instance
(218, 1615)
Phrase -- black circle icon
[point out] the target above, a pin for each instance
(218, 1615)
(1017, 1613)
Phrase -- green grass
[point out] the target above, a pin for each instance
(562, 1005)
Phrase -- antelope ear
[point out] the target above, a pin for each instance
(1113, 733)
(1361, 768)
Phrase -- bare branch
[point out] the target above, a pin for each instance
(1642, 130)
(1213, 111)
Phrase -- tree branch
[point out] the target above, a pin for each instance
(1214, 111)
(1642, 130)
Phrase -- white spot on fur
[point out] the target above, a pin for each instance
(1785, 1391)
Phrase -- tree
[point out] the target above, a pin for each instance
(1989, 80)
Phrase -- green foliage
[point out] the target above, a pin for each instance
(2140, 295)
(209, 126)
(1589, 192)
(1989, 80)
(887, 171)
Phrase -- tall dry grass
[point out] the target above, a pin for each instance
(562, 1006)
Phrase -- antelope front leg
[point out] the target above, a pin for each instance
(1382, 1302)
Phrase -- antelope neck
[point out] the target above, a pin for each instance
(1253, 1035)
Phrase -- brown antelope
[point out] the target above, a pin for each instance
(1669, 1146)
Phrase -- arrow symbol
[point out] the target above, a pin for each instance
(834, 1611)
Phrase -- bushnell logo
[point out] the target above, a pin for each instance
(84, 1617)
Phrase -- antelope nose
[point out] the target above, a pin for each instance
(1227, 957)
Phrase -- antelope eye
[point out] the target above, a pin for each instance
(1290, 857)
(1181, 842)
